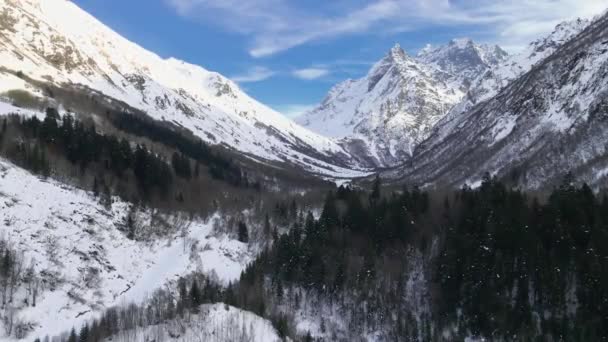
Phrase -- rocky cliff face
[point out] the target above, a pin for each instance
(382, 117)
(547, 121)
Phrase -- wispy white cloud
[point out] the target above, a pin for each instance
(255, 74)
(293, 110)
(278, 25)
(310, 73)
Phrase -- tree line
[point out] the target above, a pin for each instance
(220, 167)
(84, 147)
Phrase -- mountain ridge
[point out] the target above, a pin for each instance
(383, 116)
(84, 52)
(546, 122)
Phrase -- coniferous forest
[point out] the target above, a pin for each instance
(83, 146)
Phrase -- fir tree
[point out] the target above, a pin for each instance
(243, 232)
(95, 187)
(375, 195)
(195, 295)
(84, 334)
(73, 337)
(267, 228)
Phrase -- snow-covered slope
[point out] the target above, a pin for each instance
(490, 82)
(462, 59)
(212, 323)
(84, 258)
(383, 116)
(37, 40)
(546, 122)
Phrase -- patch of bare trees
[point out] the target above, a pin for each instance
(19, 287)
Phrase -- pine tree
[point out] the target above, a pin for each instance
(84, 334)
(376, 191)
(7, 264)
(329, 217)
(73, 337)
(195, 295)
(293, 210)
(106, 196)
(267, 227)
(182, 303)
(95, 187)
(130, 226)
(243, 232)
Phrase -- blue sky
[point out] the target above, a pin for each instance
(289, 53)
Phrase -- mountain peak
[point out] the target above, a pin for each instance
(461, 43)
(426, 49)
(562, 33)
(462, 57)
(397, 52)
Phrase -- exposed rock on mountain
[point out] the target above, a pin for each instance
(543, 124)
(382, 117)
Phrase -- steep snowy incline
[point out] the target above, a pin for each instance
(81, 250)
(545, 123)
(489, 83)
(463, 60)
(382, 117)
(37, 41)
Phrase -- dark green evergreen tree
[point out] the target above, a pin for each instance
(73, 337)
(243, 233)
(195, 295)
(84, 334)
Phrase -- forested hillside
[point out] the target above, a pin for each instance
(408, 265)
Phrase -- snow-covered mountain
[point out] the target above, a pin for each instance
(538, 116)
(382, 117)
(462, 59)
(37, 42)
(490, 82)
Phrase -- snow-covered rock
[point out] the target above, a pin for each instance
(490, 82)
(382, 117)
(462, 59)
(548, 120)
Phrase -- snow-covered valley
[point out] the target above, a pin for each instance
(149, 199)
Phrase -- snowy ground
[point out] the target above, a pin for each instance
(213, 323)
(89, 263)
